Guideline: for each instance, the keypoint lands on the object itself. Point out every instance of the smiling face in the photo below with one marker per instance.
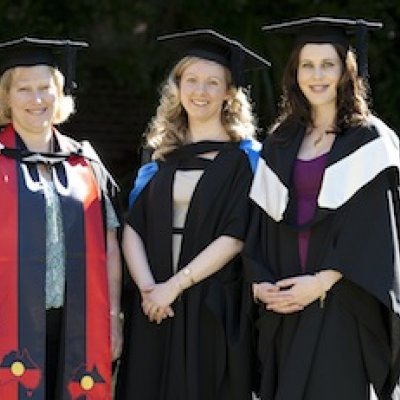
(203, 89)
(32, 99)
(318, 74)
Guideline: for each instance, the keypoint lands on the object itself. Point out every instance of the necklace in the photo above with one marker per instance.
(319, 138)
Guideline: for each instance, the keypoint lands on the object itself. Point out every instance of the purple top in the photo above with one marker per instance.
(307, 177)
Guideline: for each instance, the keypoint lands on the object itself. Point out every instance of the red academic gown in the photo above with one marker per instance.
(86, 369)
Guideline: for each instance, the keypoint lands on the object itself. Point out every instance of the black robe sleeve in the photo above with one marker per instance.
(254, 256)
(365, 249)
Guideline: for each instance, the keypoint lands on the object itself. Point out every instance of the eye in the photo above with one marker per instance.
(190, 79)
(328, 64)
(214, 82)
(306, 64)
(22, 89)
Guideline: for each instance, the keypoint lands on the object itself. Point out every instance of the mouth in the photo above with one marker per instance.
(318, 88)
(199, 103)
(39, 111)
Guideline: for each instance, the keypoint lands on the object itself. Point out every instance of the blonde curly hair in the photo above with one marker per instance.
(65, 105)
(168, 128)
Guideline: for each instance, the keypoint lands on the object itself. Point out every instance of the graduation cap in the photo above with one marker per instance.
(27, 51)
(331, 30)
(211, 45)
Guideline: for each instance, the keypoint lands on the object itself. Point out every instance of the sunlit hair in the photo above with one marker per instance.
(351, 102)
(64, 106)
(168, 128)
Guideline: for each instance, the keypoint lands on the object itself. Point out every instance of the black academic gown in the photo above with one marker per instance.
(204, 351)
(332, 352)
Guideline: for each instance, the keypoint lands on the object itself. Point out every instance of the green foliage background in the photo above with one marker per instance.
(123, 32)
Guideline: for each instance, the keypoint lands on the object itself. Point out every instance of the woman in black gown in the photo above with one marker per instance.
(187, 334)
(323, 246)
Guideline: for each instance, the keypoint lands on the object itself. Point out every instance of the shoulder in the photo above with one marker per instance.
(372, 128)
(251, 148)
(283, 134)
(373, 134)
(382, 130)
(67, 143)
(144, 176)
(250, 145)
(360, 155)
(104, 178)
(149, 169)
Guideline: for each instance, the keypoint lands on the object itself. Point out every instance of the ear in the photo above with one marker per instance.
(228, 95)
(6, 98)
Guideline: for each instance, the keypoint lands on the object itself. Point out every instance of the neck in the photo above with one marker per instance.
(40, 142)
(206, 131)
(324, 117)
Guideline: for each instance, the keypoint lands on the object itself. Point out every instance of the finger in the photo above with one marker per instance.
(279, 297)
(286, 282)
(160, 314)
(152, 317)
(145, 310)
(154, 310)
(266, 294)
(170, 312)
(146, 306)
(159, 318)
(282, 302)
(286, 309)
(268, 287)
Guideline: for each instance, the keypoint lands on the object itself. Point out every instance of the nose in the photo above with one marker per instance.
(37, 96)
(201, 87)
(318, 72)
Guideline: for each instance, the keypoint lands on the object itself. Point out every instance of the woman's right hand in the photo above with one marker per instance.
(294, 294)
(275, 299)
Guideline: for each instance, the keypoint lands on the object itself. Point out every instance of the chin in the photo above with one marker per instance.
(321, 102)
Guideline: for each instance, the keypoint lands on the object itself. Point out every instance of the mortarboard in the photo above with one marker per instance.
(28, 51)
(331, 30)
(211, 45)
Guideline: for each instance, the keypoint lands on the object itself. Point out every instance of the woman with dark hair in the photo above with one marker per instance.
(323, 245)
(187, 335)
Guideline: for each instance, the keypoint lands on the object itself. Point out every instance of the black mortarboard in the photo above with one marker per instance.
(28, 51)
(211, 45)
(331, 30)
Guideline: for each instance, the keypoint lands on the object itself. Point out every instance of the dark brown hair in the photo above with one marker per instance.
(351, 102)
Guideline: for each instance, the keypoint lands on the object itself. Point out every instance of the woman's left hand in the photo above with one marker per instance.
(294, 294)
(159, 298)
(116, 337)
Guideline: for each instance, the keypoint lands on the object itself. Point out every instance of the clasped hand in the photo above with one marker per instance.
(157, 299)
(289, 295)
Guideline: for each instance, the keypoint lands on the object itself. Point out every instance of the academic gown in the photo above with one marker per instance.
(204, 351)
(332, 352)
(85, 356)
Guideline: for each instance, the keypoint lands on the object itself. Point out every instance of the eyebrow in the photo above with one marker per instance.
(321, 59)
(210, 76)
